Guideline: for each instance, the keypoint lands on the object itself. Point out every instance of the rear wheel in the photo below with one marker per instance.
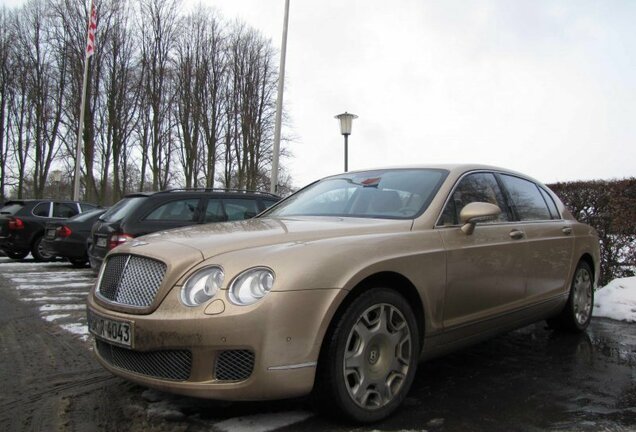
(370, 361)
(38, 251)
(17, 255)
(577, 313)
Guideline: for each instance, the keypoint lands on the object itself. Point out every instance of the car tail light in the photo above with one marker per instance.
(16, 223)
(117, 239)
(64, 231)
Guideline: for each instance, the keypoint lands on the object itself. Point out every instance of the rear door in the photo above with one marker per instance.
(549, 238)
(175, 212)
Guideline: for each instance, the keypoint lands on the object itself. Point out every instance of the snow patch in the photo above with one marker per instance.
(165, 410)
(55, 317)
(262, 422)
(617, 300)
(52, 299)
(76, 328)
(56, 307)
(83, 285)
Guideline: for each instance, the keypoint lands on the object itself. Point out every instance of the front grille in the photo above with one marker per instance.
(170, 364)
(131, 280)
(234, 365)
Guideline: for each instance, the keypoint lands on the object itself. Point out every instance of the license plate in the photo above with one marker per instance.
(50, 233)
(115, 331)
(101, 242)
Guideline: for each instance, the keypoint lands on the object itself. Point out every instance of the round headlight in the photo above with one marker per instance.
(251, 286)
(202, 286)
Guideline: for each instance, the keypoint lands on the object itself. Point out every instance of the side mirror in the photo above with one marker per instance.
(477, 212)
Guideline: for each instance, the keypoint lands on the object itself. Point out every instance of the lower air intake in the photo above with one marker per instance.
(234, 365)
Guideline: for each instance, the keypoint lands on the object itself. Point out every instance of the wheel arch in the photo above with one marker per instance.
(386, 279)
(587, 258)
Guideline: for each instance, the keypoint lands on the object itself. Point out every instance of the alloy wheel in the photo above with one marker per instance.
(377, 356)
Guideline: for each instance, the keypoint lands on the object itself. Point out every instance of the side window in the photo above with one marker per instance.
(178, 210)
(239, 209)
(268, 203)
(64, 210)
(526, 198)
(42, 209)
(477, 187)
(214, 211)
(554, 212)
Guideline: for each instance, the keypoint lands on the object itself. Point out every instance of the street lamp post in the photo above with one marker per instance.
(346, 120)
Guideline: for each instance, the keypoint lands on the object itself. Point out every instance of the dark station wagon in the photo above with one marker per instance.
(138, 214)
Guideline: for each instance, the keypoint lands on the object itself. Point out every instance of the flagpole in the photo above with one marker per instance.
(78, 147)
(279, 104)
(90, 48)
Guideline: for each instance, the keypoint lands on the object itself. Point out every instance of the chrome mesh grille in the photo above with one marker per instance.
(234, 365)
(170, 364)
(131, 280)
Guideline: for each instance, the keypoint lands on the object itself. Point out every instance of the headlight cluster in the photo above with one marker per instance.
(246, 289)
(202, 286)
(251, 286)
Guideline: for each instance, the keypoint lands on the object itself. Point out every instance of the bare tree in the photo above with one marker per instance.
(158, 35)
(213, 100)
(172, 99)
(121, 91)
(189, 85)
(252, 98)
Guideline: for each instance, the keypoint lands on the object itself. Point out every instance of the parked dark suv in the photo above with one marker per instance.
(144, 213)
(22, 224)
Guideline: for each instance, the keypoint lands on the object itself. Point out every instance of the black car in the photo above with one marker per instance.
(22, 224)
(69, 239)
(144, 213)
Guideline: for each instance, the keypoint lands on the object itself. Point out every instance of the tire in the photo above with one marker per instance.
(576, 315)
(360, 374)
(17, 255)
(39, 254)
(78, 262)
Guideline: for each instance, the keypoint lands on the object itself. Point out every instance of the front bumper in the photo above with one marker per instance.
(283, 333)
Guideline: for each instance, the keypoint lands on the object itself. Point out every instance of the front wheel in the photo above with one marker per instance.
(371, 357)
(577, 313)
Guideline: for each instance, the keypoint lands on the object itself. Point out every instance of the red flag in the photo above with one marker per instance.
(92, 26)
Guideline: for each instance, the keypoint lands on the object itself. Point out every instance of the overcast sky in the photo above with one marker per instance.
(547, 88)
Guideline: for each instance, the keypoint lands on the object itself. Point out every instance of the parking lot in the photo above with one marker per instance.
(528, 380)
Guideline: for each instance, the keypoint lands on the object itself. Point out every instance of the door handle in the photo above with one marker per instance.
(567, 230)
(516, 234)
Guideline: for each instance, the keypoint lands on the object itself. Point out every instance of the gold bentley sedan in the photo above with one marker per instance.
(341, 289)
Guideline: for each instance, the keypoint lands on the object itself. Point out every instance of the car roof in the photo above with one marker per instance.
(456, 169)
(203, 191)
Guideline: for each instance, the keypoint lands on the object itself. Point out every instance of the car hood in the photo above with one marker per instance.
(218, 238)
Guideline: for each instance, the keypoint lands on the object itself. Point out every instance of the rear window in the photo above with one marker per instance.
(83, 217)
(122, 209)
(11, 208)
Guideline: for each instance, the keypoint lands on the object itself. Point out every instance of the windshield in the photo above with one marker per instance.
(386, 194)
(122, 209)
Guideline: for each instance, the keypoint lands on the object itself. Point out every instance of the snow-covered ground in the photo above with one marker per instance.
(617, 300)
